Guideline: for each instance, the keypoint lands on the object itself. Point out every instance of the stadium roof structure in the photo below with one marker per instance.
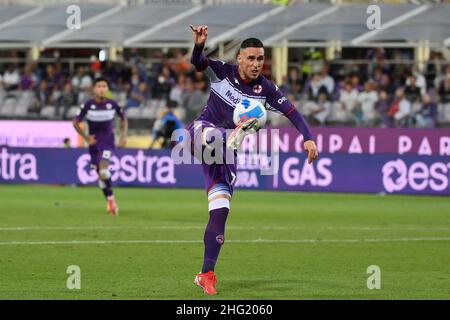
(167, 25)
(39, 23)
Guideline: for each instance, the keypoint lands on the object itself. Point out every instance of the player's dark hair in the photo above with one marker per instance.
(252, 43)
(101, 79)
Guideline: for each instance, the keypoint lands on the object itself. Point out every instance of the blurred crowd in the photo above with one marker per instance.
(384, 95)
(376, 94)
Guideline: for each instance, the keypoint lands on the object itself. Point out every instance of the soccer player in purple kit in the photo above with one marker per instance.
(99, 113)
(229, 85)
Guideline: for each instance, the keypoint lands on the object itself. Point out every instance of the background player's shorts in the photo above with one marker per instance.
(99, 152)
(216, 176)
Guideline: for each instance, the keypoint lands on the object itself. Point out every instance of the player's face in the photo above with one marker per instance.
(100, 89)
(251, 61)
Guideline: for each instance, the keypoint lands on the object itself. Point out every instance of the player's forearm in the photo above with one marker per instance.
(124, 127)
(198, 58)
(299, 122)
(80, 131)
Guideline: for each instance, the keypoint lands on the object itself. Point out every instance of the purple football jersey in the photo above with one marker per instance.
(228, 89)
(100, 119)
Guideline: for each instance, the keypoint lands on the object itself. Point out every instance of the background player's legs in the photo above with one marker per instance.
(219, 205)
(105, 182)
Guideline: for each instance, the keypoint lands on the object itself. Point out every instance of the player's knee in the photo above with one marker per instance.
(104, 174)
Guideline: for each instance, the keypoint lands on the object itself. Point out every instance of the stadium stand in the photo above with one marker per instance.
(357, 86)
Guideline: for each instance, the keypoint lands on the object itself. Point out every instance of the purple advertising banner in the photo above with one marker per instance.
(332, 172)
(429, 142)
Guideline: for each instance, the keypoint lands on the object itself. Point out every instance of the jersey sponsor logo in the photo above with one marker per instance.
(281, 100)
(232, 98)
(257, 88)
(230, 94)
(100, 115)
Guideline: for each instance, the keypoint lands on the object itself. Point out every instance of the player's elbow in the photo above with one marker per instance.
(194, 61)
(199, 65)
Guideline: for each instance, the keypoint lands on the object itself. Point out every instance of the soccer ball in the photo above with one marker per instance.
(250, 108)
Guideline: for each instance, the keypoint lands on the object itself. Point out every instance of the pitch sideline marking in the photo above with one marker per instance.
(77, 242)
(37, 228)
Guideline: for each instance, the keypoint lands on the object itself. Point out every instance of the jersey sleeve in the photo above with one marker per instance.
(278, 102)
(81, 113)
(215, 69)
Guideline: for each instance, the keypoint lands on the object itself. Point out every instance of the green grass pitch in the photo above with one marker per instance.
(279, 245)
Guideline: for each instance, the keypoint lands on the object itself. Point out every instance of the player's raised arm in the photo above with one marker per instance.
(198, 58)
(277, 100)
(200, 34)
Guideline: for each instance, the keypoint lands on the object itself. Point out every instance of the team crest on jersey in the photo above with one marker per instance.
(93, 106)
(236, 81)
(108, 106)
(257, 88)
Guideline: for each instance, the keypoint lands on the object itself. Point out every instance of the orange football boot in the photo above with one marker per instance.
(207, 281)
(112, 207)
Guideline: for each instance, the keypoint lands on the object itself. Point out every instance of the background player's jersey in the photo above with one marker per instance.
(100, 118)
(228, 89)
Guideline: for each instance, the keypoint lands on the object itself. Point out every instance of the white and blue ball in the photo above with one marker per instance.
(250, 108)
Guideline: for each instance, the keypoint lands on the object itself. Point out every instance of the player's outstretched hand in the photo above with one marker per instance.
(200, 34)
(311, 148)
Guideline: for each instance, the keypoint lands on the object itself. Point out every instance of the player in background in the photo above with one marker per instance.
(229, 85)
(99, 113)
